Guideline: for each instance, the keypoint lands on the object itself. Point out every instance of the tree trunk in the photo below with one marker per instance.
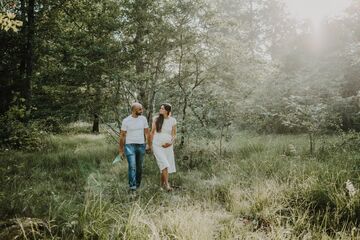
(151, 108)
(221, 138)
(27, 61)
(95, 128)
(143, 98)
(252, 30)
(312, 143)
(183, 126)
(5, 98)
(96, 109)
(23, 45)
(139, 57)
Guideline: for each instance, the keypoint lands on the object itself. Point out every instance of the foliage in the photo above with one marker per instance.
(17, 134)
(7, 22)
(78, 127)
(309, 118)
(99, 56)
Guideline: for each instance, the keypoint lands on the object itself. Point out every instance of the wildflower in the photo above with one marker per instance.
(292, 149)
(350, 187)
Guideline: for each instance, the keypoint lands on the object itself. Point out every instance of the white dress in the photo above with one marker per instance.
(164, 156)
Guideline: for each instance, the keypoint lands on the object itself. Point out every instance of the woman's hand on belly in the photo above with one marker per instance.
(166, 145)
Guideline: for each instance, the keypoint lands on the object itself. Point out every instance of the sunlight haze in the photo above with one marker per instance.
(316, 10)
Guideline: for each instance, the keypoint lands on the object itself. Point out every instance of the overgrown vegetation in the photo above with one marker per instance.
(256, 189)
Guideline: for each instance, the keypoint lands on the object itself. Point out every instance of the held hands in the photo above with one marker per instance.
(121, 153)
(148, 149)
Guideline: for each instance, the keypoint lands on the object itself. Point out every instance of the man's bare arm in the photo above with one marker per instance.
(122, 142)
(148, 137)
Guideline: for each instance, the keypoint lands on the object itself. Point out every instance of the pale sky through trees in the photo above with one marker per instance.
(316, 10)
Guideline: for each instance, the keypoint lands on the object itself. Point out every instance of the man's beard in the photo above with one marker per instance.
(138, 113)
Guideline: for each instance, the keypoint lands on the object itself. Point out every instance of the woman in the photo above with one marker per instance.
(163, 134)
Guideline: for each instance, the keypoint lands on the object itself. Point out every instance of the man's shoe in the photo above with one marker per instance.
(132, 193)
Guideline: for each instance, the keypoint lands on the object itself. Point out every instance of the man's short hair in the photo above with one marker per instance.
(134, 105)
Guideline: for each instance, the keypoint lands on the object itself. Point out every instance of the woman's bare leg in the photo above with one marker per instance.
(165, 179)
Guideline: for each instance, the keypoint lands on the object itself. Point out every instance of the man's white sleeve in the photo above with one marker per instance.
(123, 126)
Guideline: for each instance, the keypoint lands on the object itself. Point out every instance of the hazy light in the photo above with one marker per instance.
(316, 10)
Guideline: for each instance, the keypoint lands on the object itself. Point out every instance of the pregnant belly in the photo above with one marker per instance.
(160, 139)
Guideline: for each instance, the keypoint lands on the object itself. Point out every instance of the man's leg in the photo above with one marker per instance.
(139, 156)
(130, 156)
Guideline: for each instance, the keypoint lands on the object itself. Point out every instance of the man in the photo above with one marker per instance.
(133, 144)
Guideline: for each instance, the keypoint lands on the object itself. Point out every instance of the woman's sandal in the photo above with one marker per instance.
(168, 188)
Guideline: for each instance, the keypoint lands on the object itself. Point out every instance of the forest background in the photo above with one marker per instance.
(244, 77)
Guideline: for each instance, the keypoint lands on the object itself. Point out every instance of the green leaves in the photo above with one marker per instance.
(309, 117)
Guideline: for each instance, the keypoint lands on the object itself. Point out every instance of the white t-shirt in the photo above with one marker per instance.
(165, 135)
(134, 128)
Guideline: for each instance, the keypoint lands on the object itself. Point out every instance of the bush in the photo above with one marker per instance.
(78, 127)
(195, 157)
(17, 134)
(327, 205)
(349, 141)
(51, 125)
(346, 143)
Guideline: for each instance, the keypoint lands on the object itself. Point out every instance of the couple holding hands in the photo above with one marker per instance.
(160, 140)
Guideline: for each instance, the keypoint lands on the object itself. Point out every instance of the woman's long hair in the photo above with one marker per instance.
(160, 119)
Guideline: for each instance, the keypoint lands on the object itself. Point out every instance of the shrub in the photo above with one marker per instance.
(51, 125)
(17, 134)
(327, 206)
(78, 127)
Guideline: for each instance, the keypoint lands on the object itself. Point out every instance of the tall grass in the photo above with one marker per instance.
(260, 187)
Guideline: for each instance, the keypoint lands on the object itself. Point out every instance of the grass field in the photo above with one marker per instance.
(261, 187)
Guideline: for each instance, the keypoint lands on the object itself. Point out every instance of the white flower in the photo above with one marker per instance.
(292, 149)
(350, 187)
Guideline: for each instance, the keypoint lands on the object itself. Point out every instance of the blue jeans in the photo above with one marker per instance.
(135, 156)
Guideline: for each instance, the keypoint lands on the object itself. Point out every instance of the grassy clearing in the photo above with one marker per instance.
(260, 188)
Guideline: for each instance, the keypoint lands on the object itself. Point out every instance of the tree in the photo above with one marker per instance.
(303, 115)
(78, 52)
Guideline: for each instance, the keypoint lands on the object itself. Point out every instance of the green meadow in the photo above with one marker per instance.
(260, 187)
